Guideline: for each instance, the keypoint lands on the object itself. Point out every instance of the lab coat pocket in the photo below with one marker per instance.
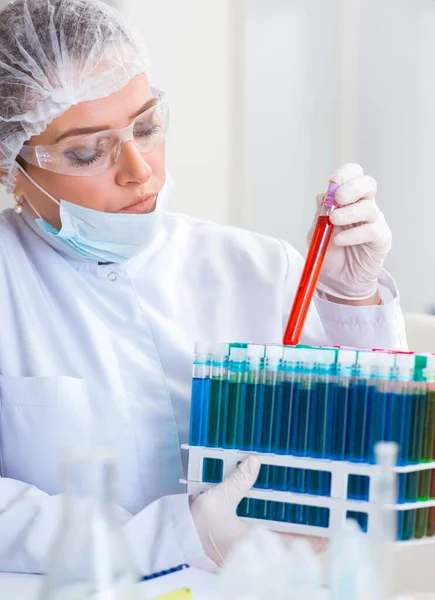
(39, 418)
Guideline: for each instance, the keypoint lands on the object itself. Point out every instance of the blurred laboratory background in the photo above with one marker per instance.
(267, 98)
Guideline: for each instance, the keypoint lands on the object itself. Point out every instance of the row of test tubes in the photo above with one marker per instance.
(317, 403)
(313, 402)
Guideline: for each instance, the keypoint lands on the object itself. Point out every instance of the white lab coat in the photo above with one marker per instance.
(102, 354)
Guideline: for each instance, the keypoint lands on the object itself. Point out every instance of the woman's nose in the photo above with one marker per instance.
(133, 167)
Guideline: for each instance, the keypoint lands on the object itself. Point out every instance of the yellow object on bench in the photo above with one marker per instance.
(181, 594)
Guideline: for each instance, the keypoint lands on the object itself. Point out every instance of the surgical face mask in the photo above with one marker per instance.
(100, 236)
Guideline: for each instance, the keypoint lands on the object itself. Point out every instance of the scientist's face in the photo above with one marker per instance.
(129, 185)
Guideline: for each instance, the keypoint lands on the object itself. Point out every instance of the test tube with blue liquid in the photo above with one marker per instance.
(321, 426)
(291, 387)
(218, 395)
(306, 402)
(406, 416)
(357, 413)
(288, 426)
(322, 404)
(252, 421)
(304, 373)
(346, 369)
(379, 406)
(357, 418)
(272, 406)
(272, 379)
(254, 398)
(199, 407)
(402, 407)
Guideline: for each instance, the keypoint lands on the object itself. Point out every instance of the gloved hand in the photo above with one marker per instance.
(214, 511)
(360, 241)
(215, 518)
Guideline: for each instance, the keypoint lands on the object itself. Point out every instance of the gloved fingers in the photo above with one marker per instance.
(365, 211)
(235, 487)
(356, 189)
(378, 234)
(346, 172)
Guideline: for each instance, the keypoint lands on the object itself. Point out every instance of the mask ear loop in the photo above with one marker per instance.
(40, 188)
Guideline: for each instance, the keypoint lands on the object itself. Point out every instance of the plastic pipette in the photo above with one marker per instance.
(313, 264)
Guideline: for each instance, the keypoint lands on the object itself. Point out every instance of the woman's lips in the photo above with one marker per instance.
(143, 205)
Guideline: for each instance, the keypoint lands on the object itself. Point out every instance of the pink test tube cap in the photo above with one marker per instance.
(329, 199)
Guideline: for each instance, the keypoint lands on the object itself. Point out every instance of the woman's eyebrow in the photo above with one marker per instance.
(84, 130)
(148, 104)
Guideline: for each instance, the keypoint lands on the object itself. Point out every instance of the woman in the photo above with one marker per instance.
(103, 294)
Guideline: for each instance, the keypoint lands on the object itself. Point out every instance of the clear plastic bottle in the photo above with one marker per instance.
(89, 558)
(351, 573)
(383, 531)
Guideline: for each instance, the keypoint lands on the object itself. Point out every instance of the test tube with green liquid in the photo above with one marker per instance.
(424, 483)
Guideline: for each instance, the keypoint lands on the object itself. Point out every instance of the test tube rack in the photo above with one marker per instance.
(330, 510)
(312, 492)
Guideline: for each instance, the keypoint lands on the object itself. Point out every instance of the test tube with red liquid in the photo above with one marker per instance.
(313, 264)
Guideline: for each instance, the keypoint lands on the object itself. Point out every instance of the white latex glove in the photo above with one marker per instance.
(215, 518)
(214, 511)
(360, 241)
